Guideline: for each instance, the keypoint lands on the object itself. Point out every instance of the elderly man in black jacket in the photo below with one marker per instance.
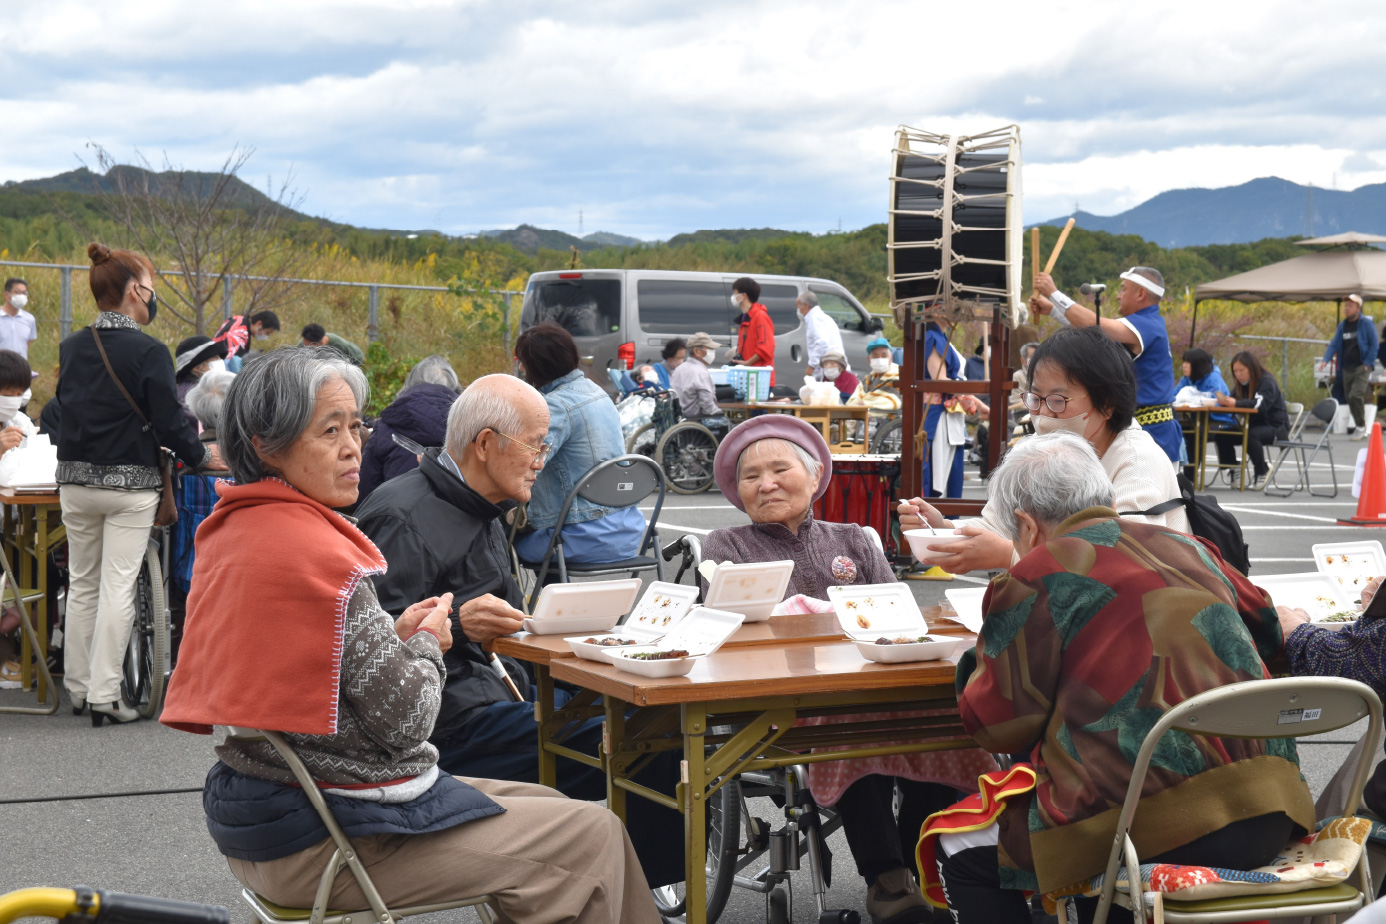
(439, 528)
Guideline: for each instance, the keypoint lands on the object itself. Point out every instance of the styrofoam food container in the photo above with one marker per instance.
(585, 649)
(751, 589)
(700, 633)
(662, 607)
(920, 651)
(1316, 593)
(1350, 564)
(967, 603)
(593, 606)
(922, 541)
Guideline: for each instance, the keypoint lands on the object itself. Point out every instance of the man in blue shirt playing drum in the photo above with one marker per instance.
(1141, 329)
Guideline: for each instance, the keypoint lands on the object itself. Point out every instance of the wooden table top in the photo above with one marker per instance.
(797, 667)
(9, 498)
(544, 649)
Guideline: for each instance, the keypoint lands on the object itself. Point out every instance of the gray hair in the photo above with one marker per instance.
(483, 407)
(274, 398)
(1027, 348)
(1153, 275)
(206, 398)
(808, 298)
(435, 370)
(1050, 477)
(811, 464)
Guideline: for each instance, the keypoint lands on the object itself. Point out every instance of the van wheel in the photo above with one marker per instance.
(643, 441)
(686, 453)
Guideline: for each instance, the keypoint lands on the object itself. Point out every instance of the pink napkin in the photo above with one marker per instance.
(801, 603)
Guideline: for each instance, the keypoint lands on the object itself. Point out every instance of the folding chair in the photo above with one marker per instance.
(1253, 709)
(620, 482)
(10, 587)
(1323, 412)
(345, 855)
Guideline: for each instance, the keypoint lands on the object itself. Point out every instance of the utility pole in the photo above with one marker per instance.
(579, 222)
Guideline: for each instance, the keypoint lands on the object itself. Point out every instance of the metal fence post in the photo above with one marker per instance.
(65, 305)
(1285, 362)
(507, 325)
(226, 299)
(373, 316)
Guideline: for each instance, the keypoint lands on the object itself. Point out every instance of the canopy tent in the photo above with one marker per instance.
(1347, 237)
(1327, 276)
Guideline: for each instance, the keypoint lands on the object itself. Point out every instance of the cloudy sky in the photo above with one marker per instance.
(653, 117)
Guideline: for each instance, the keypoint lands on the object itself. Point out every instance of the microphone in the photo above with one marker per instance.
(1092, 288)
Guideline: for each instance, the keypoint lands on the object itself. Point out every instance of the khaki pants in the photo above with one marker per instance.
(547, 858)
(107, 532)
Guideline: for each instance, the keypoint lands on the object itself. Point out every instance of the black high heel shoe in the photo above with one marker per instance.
(116, 713)
(79, 706)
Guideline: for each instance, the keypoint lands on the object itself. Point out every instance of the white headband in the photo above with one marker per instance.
(1138, 279)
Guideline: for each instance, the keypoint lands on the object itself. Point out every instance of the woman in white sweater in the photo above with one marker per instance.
(1081, 381)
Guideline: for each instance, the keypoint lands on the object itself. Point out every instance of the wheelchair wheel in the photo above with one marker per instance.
(686, 453)
(887, 439)
(146, 657)
(643, 441)
(723, 838)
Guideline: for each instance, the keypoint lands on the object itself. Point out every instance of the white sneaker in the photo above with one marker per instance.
(1358, 436)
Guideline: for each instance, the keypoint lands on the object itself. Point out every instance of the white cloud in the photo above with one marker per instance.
(659, 116)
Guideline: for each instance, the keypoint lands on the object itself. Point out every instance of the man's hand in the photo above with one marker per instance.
(984, 551)
(1044, 285)
(915, 513)
(488, 617)
(10, 438)
(1291, 618)
(429, 615)
(1040, 305)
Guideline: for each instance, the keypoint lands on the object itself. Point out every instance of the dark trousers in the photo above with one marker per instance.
(502, 743)
(1227, 453)
(878, 842)
(1258, 438)
(972, 883)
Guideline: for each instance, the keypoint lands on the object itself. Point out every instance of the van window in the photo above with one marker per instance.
(779, 302)
(582, 307)
(683, 306)
(839, 309)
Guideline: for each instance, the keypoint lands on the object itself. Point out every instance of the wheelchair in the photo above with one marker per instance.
(747, 851)
(83, 905)
(683, 448)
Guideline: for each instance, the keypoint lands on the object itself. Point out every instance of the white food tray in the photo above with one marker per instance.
(593, 606)
(661, 608)
(1351, 565)
(867, 612)
(1316, 593)
(968, 605)
(752, 589)
(700, 633)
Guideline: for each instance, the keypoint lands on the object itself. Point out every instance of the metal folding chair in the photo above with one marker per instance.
(620, 482)
(1305, 452)
(345, 855)
(1253, 709)
(9, 587)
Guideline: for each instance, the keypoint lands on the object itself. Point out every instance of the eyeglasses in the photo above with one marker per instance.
(542, 453)
(1057, 404)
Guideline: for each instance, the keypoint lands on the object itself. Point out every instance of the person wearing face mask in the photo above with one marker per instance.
(1082, 382)
(879, 389)
(1141, 330)
(691, 381)
(17, 427)
(755, 333)
(18, 328)
(195, 357)
(834, 368)
(109, 469)
(1101, 626)
(239, 332)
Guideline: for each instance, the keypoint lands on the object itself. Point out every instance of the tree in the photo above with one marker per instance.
(207, 233)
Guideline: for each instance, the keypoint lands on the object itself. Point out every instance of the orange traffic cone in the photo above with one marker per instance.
(1371, 506)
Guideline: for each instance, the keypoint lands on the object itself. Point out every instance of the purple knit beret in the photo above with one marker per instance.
(768, 427)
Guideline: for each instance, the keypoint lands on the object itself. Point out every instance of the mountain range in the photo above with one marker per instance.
(528, 239)
(1262, 208)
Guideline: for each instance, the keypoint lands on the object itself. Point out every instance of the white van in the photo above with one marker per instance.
(623, 318)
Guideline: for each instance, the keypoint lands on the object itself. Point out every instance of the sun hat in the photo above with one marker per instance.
(1356, 298)
(833, 356)
(196, 350)
(877, 343)
(768, 427)
(701, 341)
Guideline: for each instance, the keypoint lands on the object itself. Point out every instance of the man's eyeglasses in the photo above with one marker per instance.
(1057, 404)
(542, 453)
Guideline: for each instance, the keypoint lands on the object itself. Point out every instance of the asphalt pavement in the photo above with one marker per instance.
(119, 807)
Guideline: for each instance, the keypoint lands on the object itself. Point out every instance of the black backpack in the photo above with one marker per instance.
(1207, 520)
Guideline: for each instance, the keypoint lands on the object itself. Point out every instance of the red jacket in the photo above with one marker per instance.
(756, 337)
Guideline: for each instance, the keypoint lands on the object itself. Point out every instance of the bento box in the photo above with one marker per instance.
(593, 606)
(662, 607)
(698, 635)
(1320, 595)
(885, 623)
(752, 589)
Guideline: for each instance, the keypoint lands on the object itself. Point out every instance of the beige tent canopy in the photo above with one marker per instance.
(1347, 237)
(1327, 276)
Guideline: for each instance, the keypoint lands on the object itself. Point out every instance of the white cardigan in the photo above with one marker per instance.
(1141, 473)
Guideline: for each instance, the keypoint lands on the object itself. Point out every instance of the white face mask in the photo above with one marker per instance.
(880, 366)
(261, 336)
(736, 301)
(9, 407)
(19, 300)
(1075, 425)
(24, 398)
(831, 372)
(215, 365)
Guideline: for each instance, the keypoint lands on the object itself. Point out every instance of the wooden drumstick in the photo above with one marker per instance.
(1059, 245)
(1034, 254)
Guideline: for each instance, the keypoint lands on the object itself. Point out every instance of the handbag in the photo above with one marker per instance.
(167, 514)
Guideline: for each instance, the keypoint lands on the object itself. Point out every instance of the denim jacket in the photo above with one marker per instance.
(584, 429)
